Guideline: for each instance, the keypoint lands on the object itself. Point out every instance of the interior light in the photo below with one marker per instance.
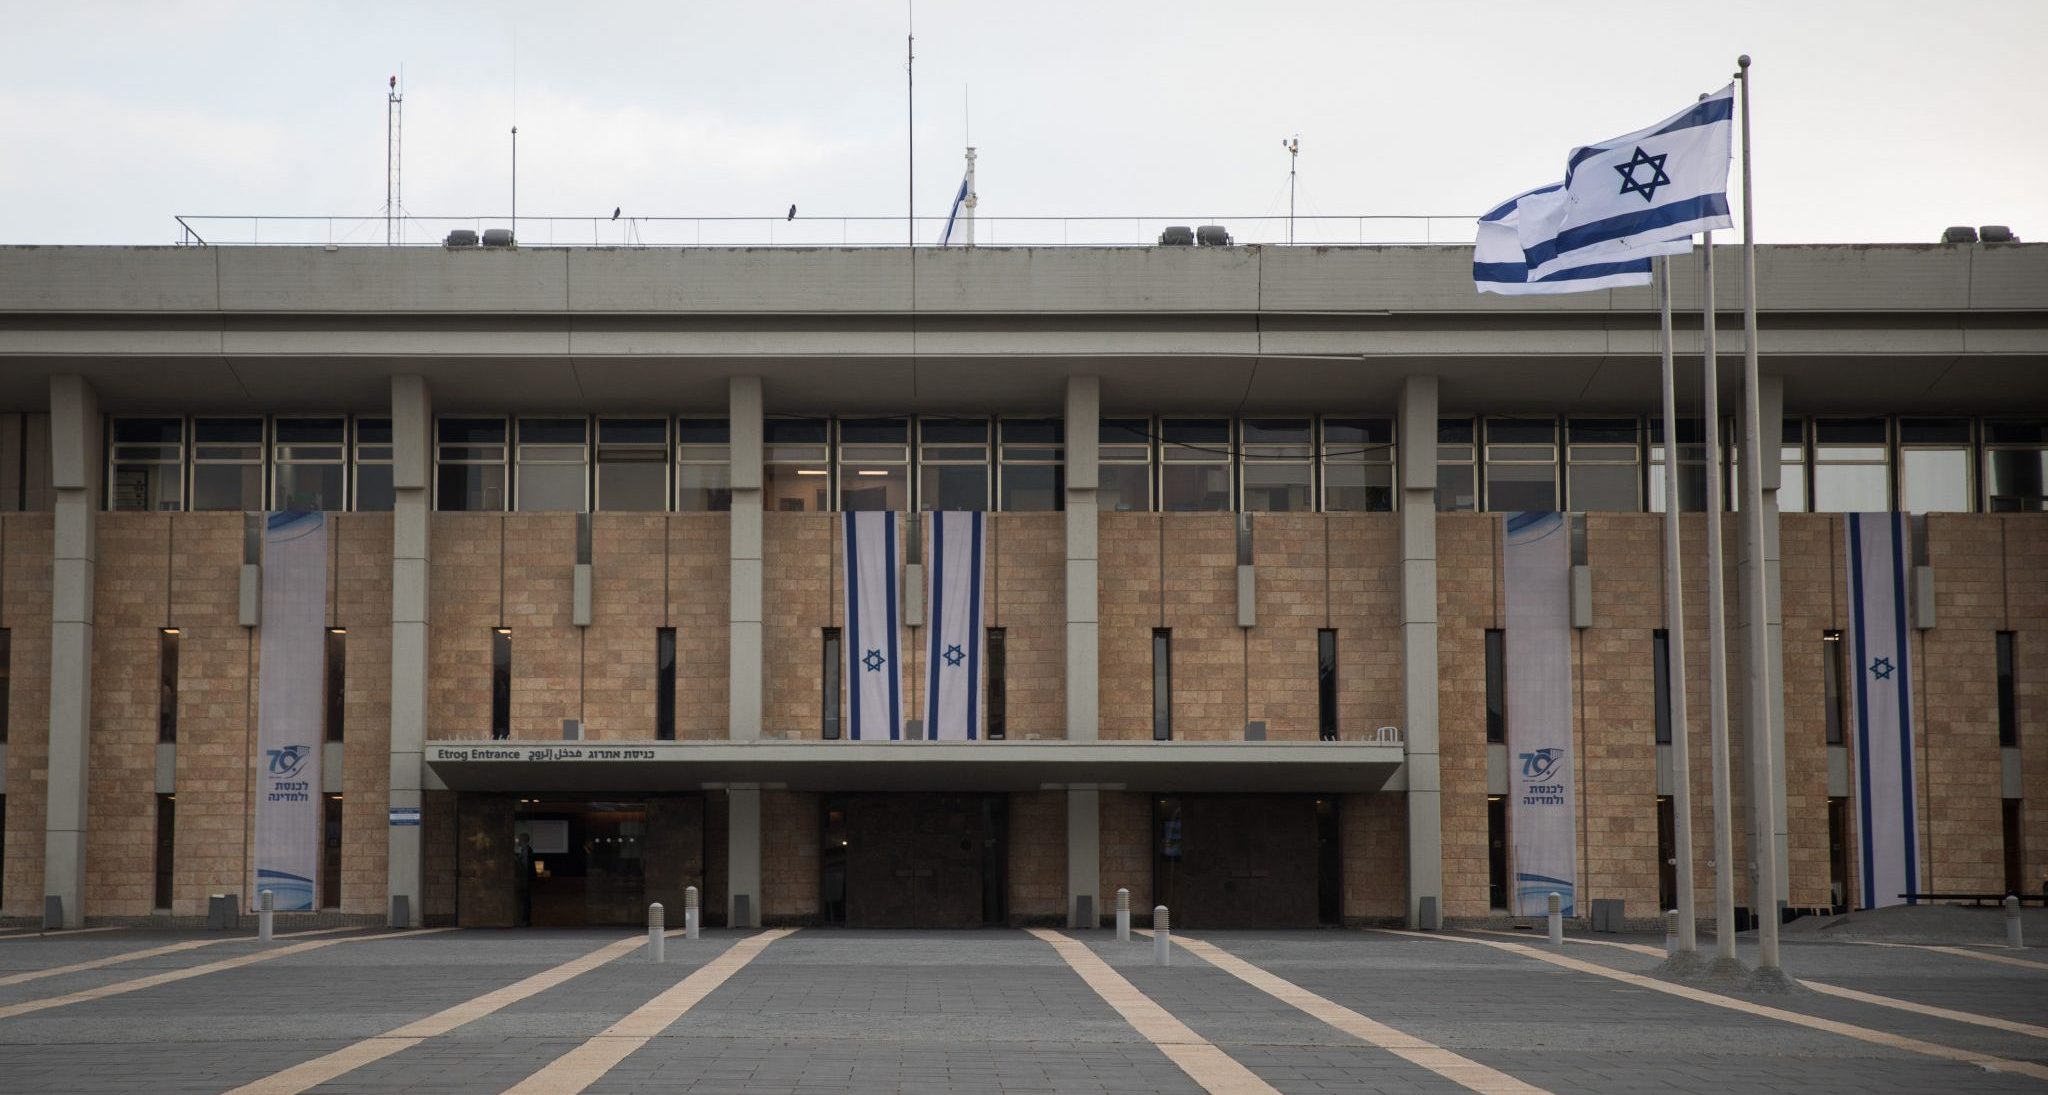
(810, 471)
(170, 631)
(872, 471)
(337, 631)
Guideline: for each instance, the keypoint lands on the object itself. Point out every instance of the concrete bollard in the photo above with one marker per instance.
(1162, 938)
(266, 907)
(1123, 915)
(2013, 937)
(692, 912)
(655, 938)
(1556, 904)
(1670, 931)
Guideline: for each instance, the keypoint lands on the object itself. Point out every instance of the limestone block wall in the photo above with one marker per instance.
(466, 599)
(1617, 728)
(25, 540)
(1956, 707)
(217, 666)
(1126, 851)
(1373, 832)
(1468, 603)
(1814, 591)
(131, 604)
(2025, 578)
(1026, 591)
(1038, 857)
(789, 857)
(360, 571)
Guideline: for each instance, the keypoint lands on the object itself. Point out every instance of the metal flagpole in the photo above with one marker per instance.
(1765, 842)
(1717, 623)
(1674, 623)
(910, 114)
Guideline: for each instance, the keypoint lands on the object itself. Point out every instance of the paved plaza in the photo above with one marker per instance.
(821, 1010)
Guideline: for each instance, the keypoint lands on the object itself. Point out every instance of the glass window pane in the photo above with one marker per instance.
(1126, 431)
(145, 487)
(472, 431)
(227, 486)
(715, 431)
(1372, 434)
(1125, 488)
(551, 487)
(2016, 431)
(1029, 488)
(1520, 431)
(632, 485)
(1454, 431)
(1604, 488)
(1276, 488)
(1207, 432)
(1849, 431)
(1850, 488)
(632, 431)
(1935, 480)
(1511, 487)
(308, 488)
(1934, 431)
(2018, 480)
(248, 431)
(708, 488)
(955, 486)
(1034, 431)
(374, 493)
(373, 431)
(954, 431)
(1276, 431)
(1455, 488)
(790, 489)
(1356, 487)
(874, 488)
(469, 488)
(309, 431)
(167, 431)
(874, 431)
(1601, 431)
(1692, 485)
(1195, 487)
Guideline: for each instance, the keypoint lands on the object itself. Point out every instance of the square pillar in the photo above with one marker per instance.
(1083, 432)
(412, 424)
(1084, 856)
(1416, 430)
(75, 450)
(743, 677)
(743, 857)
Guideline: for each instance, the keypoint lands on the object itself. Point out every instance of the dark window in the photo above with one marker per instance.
(1496, 685)
(1667, 853)
(1660, 669)
(227, 463)
(828, 702)
(665, 683)
(166, 843)
(998, 703)
(2015, 846)
(1162, 684)
(6, 679)
(167, 685)
(1831, 672)
(1497, 851)
(501, 682)
(337, 682)
(2008, 696)
(1326, 683)
(374, 491)
(471, 464)
(330, 853)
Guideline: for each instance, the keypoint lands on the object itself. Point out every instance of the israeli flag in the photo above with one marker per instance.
(1498, 265)
(953, 642)
(953, 218)
(1655, 185)
(874, 683)
(1886, 825)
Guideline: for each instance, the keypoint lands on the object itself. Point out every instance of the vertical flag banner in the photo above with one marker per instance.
(953, 639)
(1883, 728)
(289, 708)
(1536, 577)
(874, 651)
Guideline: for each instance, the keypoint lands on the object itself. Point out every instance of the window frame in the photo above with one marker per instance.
(919, 461)
(1488, 461)
(1474, 446)
(1004, 461)
(1122, 457)
(275, 450)
(194, 462)
(517, 452)
(503, 463)
(1364, 458)
(697, 454)
(1227, 460)
(823, 465)
(358, 459)
(1635, 462)
(1816, 449)
(1245, 458)
(177, 463)
(598, 463)
(1988, 502)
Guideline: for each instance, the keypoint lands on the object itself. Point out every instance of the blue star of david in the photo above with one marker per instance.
(953, 655)
(874, 661)
(1881, 668)
(1629, 183)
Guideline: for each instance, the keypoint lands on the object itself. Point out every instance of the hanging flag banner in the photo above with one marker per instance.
(289, 708)
(1536, 576)
(874, 683)
(1883, 727)
(953, 639)
(953, 215)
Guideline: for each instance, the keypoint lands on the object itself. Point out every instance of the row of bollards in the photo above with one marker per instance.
(657, 925)
(2013, 937)
(1556, 910)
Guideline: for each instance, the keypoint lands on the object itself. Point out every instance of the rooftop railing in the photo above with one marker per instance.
(809, 231)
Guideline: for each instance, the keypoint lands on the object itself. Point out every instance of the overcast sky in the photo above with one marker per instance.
(1876, 120)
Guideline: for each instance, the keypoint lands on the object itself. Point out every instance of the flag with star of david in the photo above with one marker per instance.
(953, 641)
(1663, 183)
(1498, 265)
(874, 652)
(1881, 716)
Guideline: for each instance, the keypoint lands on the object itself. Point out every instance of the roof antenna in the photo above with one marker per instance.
(394, 128)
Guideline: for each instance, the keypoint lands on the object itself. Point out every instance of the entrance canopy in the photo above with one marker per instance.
(617, 766)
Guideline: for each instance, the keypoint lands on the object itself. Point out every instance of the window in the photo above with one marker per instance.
(1125, 455)
(167, 685)
(632, 464)
(874, 464)
(1832, 680)
(1792, 466)
(2013, 825)
(1279, 466)
(1660, 673)
(147, 465)
(998, 702)
(704, 465)
(330, 852)
(1162, 684)
(1692, 466)
(1934, 465)
(828, 700)
(1457, 466)
(1497, 851)
(1194, 464)
(665, 683)
(227, 464)
(1602, 472)
(796, 473)
(6, 680)
(1850, 470)
(1033, 466)
(312, 466)
(554, 465)
(166, 847)
(336, 683)
(952, 462)
(1326, 684)
(501, 682)
(2016, 465)
(471, 471)
(1358, 464)
(1667, 853)
(1521, 464)
(374, 492)
(2008, 693)
(1496, 685)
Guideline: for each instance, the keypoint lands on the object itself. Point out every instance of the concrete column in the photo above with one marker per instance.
(1084, 855)
(412, 475)
(743, 856)
(1417, 470)
(75, 451)
(1771, 401)
(743, 678)
(1083, 432)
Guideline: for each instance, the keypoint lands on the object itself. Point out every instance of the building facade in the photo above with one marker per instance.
(1245, 622)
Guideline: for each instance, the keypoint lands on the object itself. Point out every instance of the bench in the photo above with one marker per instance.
(1979, 899)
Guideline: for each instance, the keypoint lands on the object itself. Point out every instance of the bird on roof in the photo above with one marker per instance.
(792, 211)
(615, 212)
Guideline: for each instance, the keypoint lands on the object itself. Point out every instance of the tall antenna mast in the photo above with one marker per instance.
(910, 85)
(1293, 146)
(394, 129)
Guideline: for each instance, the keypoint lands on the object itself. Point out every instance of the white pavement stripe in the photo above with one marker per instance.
(1960, 952)
(148, 952)
(31, 933)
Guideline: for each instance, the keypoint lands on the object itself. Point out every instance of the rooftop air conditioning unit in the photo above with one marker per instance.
(497, 237)
(1961, 233)
(1179, 235)
(1212, 235)
(1997, 233)
(461, 237)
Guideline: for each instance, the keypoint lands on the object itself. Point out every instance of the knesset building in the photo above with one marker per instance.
(559, 536)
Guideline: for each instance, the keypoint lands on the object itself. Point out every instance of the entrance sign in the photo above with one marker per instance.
(289, 708)
(1537, 569)
(1883, 728)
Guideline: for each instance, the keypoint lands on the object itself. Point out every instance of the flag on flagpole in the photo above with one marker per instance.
(1655, 185)
(953, 217)
(1498, 265)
